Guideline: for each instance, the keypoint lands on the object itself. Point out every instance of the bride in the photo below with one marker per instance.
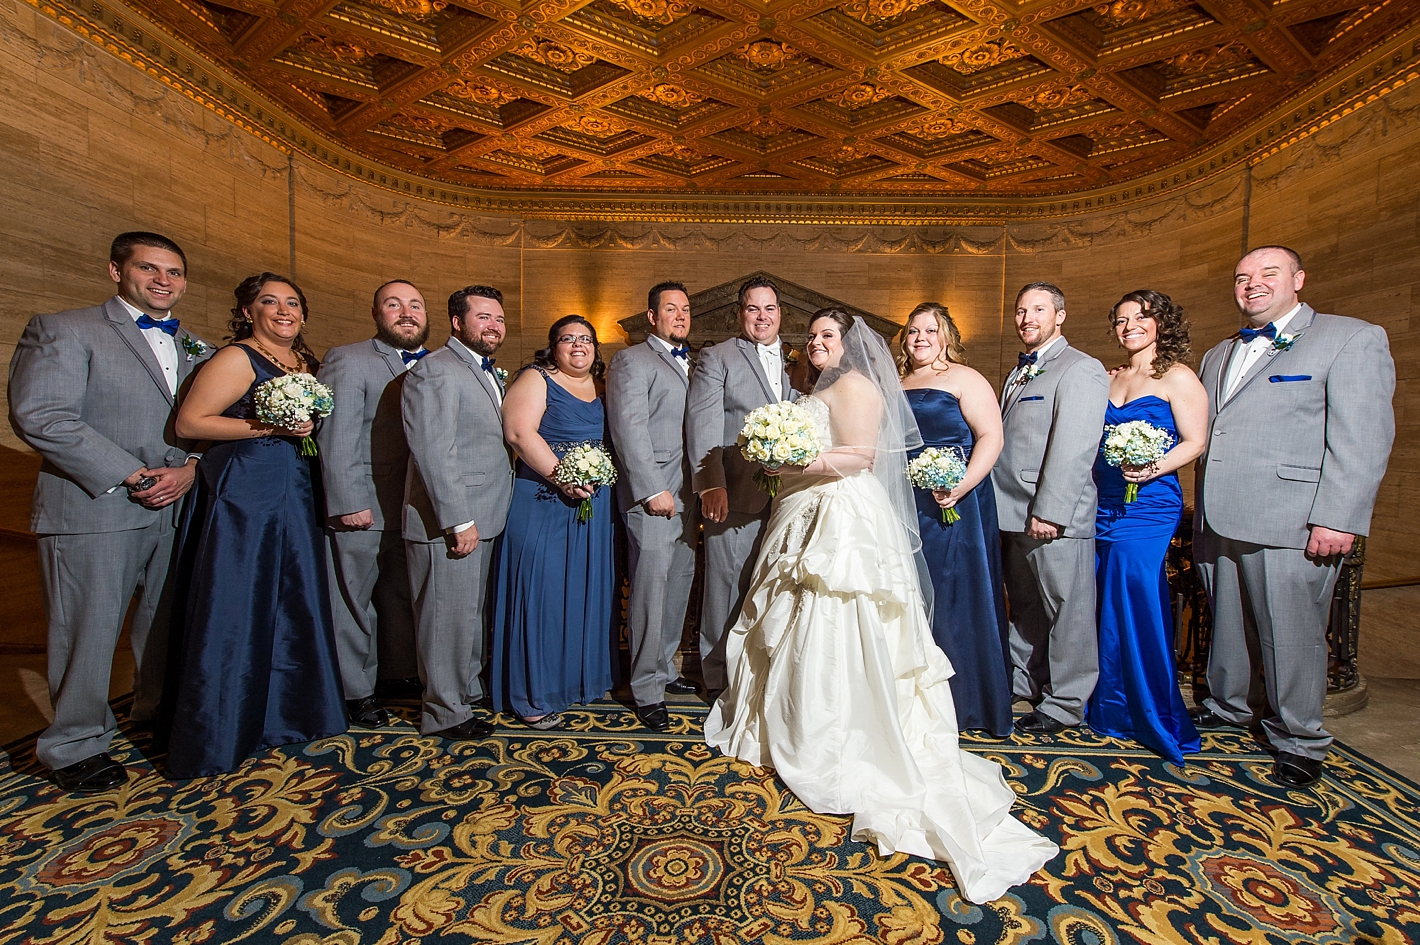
(835, 680)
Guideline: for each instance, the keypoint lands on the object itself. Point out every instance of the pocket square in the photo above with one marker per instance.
(1284, 378)
(1024, 399)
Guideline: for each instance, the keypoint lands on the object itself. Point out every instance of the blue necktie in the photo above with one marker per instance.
(1267, 331)
(411, 356)
(488, 364)
(682, 353)
(169, 325)
(1023, 359)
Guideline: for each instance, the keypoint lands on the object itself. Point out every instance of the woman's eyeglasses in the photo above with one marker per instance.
(583, 340)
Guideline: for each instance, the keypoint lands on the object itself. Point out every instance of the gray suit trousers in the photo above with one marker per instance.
(731, 549)
(1270, 611)
(88, 581)
(450, 630)
(374, 617)
(1054, 641)
(661, 559)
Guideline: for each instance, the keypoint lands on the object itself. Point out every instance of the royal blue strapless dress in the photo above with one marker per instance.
(552, 622)
(964, 560)
(252, 629)
(1137, 695)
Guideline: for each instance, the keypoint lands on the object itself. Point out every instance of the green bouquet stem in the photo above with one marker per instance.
(308, 446)
(951, 516)
(1131, 492)
(584, 511)
(768, 483)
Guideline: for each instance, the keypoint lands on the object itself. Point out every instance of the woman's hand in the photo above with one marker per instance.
(947, 499)
(1139, 474)
(299, 430)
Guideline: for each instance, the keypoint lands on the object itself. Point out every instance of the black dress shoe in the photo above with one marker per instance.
(367, 712)
(468, 730)
(1296, 771)
(681, 687)
(1038, 723)
(655, 717)
(1205, 718)
(95, 773)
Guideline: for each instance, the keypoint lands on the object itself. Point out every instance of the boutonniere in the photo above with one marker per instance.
(1032, 372)
(790, 359)
(193, 347)
(501, 374)
(1283, 342)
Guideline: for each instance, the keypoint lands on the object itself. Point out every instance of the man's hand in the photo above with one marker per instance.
(359, 521)
(1324, 542)
(662, 504)
(173, 483)
(715, 504)
(1042, 531)
(461, 544)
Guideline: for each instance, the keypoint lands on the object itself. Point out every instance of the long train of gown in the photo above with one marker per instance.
(836, 682)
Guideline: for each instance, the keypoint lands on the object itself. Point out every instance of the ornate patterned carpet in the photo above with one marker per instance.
(607, 833)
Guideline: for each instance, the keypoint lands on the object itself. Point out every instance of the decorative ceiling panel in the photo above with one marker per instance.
(1011, 100)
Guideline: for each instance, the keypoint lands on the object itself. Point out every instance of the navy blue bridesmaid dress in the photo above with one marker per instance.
(552, 622)
(1137, 696)
(964, 560)
(255, 644)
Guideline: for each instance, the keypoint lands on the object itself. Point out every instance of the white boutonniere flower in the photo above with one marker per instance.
(193, 347)
(501, 374)
(1283, 342)
(1032, 372)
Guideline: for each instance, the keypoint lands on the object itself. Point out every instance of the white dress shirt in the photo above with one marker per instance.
(771, 356)
(666, 346)
(1245, 356)
(163, 344)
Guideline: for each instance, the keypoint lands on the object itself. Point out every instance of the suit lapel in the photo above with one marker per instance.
(748, 349)
(132, 336)
(479, 374)
(391, 357)
(669, 359)
(1015, 395)
(1300, 322)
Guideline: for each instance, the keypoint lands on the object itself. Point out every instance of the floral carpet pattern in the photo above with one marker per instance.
(606, 833)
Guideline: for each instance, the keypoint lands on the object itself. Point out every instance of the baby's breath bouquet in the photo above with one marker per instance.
(585, 465)
(292, 400)
(939, 468)
(1135, 443)
(778, 434)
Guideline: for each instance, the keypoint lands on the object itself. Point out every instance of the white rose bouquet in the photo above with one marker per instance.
(1135, 443)
(291, 401)
(778, 434)
(585, 465)
(941, 468)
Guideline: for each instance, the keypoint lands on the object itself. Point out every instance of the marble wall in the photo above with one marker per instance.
(93, 146)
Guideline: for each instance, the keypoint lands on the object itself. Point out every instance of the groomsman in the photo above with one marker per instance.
(729, 381)
(93, 391)
(363, 463)
(646, 388)
(457, 493)
(1300, 427)
(1052, 406)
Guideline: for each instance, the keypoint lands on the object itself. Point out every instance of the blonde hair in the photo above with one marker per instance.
(952, 349)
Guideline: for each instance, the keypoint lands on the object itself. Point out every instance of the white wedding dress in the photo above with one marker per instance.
(835, 682)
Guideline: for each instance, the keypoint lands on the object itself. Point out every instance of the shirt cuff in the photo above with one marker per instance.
(459, 528)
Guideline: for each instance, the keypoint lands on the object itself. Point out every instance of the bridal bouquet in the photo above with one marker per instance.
(1135, 443)
(939, 468)
(292, 400)
(585, 465)
(779, 434)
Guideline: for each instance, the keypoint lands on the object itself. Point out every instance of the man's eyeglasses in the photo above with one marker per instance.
(583, 340)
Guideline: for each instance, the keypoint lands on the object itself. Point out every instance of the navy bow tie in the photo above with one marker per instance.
(1024, 359)
(488, 364)
(683, 353)
(411, 356)
(169, 325)
(1267, 331)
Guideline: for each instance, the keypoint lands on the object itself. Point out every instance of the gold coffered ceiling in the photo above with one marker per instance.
(872, 98)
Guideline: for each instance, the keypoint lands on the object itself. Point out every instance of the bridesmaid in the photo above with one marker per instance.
(956, 406)
(256, 665)
(1137, 695)
(552, 625)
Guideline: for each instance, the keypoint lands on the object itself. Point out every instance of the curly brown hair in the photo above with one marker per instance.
(1172, 345)
(246, 295)
(953, 352)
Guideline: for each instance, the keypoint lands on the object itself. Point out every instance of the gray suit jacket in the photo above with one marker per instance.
(1304, 439)
(458, 463)
(645, 406)
(87, 392)
(728, 381)
(364, 457)
(1053, 425)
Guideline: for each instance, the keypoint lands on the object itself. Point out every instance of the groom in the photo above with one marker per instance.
(729, 381)
(1052, 408)
(1300, 426)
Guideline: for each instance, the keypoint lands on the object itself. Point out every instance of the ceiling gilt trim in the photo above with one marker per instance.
(841, 157)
